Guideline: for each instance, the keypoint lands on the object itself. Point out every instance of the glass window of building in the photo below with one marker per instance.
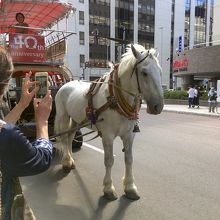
(81, 17)
(124, 25)
(187, 23)
(146, 14)
(99, 32)
(81, 38)
(82, 60)
(200, 22)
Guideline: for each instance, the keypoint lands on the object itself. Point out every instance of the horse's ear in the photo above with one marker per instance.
(156, 54)
(136, 54)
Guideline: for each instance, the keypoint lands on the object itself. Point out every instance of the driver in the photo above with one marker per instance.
(20, 19)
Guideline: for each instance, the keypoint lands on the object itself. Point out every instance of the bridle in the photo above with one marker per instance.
(135, 70)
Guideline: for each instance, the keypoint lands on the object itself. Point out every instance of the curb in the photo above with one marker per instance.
(215, 115)
(192, 113)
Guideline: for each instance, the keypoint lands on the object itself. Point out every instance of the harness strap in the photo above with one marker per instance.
(135, 69)
(115, 100)
(90, 112)
(131, 111)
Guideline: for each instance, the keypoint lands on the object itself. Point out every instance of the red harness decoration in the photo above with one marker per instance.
(115, 100)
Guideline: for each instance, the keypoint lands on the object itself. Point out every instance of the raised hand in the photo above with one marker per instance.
(27, 92)
(42, 112)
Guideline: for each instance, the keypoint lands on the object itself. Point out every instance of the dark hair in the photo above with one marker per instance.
(19, 13)
(6, 69)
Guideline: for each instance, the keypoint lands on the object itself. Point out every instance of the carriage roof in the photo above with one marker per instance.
(39, 14)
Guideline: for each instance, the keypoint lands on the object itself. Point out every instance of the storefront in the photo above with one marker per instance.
(198, 65)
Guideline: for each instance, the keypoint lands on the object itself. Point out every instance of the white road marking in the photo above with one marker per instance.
(94, 148)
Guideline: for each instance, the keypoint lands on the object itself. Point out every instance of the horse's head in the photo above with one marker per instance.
(148, 76)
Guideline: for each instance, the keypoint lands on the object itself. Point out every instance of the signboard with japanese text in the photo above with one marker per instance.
(180, 44)
(25, 48)
(180, 65)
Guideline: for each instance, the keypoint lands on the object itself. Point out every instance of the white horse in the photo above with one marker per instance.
(115, 99)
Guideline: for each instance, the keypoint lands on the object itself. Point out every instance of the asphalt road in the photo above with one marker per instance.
(176, 168)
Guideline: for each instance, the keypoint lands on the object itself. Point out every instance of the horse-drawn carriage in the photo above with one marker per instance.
(37, 49)
(110, 105)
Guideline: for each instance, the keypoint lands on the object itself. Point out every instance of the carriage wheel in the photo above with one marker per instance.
(77, 143)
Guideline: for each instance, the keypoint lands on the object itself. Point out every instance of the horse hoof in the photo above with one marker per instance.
(67, 169)
(110, 196)
(132, 195)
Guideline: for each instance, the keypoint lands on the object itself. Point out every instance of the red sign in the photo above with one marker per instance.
(25, 48)
(180, 65)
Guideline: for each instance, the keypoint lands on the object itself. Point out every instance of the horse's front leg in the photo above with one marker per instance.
(109, 189)
(130, 188)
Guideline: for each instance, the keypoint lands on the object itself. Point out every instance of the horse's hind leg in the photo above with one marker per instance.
(63, 123)
(130, 188)
(109, 189)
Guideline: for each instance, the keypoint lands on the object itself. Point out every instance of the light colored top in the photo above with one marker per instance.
(191, 93)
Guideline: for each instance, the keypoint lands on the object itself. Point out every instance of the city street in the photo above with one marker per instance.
(176, 169)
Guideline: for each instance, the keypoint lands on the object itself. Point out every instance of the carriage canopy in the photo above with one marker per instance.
(38, 13)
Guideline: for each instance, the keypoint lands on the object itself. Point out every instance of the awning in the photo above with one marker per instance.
(38, 13)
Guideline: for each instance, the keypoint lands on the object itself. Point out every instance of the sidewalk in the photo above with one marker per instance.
(183, 109)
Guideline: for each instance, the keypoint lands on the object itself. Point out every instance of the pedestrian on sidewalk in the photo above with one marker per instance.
(212, 94)
(196, 97)
(191, 95)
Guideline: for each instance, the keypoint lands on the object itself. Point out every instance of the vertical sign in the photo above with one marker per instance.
(180, 44)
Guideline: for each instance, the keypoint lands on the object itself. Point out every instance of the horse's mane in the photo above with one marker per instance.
(129, 60)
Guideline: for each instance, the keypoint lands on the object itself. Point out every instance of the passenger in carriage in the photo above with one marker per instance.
(20, 19)
(18, 156)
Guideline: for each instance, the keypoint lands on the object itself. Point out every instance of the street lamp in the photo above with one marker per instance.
(95, 33)
(84, 66)
(161, 46)
(107, 45)
(123, 37)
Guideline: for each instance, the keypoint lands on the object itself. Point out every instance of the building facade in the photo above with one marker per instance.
(194, 63)
(216, 23)
(104, 27)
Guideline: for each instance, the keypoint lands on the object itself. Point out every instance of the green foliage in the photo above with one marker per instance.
(177, 94)
(204, 95)
(182, 95)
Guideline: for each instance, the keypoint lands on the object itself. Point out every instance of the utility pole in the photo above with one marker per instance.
(95, 33)
(161, 46)
(123, 37)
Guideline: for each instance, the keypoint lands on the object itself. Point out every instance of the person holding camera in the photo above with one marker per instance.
(18, 156)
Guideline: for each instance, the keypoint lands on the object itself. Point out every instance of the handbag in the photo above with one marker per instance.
(20, 210)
